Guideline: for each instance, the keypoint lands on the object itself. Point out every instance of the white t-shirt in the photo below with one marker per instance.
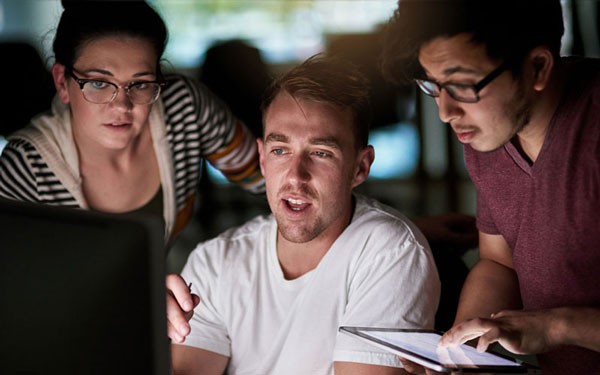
(379, 273)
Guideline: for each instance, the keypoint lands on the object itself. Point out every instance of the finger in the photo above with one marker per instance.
(506, 314)
(451, 338)
(195, 300)
(411, 367)
(177, 287)
(490, 337)
(464, 332)
(461, 339)
(177, 317)
(174, 334)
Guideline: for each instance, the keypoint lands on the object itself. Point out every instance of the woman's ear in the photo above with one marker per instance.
(541, 62)
(60, 82)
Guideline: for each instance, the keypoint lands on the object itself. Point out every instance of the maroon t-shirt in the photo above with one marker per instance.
(549, 212)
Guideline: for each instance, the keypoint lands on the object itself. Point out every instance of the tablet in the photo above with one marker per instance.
(421, 346)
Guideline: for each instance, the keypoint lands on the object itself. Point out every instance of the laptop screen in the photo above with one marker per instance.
(81, 292)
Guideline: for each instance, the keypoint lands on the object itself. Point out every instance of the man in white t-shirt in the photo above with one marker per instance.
(275, 290)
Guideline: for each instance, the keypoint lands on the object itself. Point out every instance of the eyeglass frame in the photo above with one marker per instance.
(475, 87)
(82, 81)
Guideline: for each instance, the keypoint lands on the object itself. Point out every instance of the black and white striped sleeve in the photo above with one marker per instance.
(17, 177)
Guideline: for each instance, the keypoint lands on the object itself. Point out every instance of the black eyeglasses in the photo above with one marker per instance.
(102, 92)
(460, 92)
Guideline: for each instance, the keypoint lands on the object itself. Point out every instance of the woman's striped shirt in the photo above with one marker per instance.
(198, 125)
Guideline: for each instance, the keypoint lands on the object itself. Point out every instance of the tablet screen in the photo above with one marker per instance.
(421, 346)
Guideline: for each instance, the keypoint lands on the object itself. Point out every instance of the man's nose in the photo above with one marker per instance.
(449, 109)
(299, 168)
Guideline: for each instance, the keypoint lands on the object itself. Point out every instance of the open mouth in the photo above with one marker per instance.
(465, 137)
(296, 204)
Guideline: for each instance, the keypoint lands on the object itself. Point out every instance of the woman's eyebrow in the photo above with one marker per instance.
(109, 74)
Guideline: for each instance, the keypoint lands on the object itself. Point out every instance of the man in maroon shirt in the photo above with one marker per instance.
(530, 124)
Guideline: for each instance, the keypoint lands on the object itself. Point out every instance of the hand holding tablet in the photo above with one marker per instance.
(421, 347)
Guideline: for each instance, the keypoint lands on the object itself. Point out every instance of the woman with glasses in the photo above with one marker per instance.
(122, 137)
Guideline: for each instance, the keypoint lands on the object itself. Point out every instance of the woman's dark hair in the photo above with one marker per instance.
(509, 29)
(330, 80)
(83, 21)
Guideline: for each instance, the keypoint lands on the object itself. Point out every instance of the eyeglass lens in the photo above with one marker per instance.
(465, 93)
(104, 92)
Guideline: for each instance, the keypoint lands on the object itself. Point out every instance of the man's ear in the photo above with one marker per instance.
(363, 167)
(539, 67)
(60, 82)
(260, 145)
